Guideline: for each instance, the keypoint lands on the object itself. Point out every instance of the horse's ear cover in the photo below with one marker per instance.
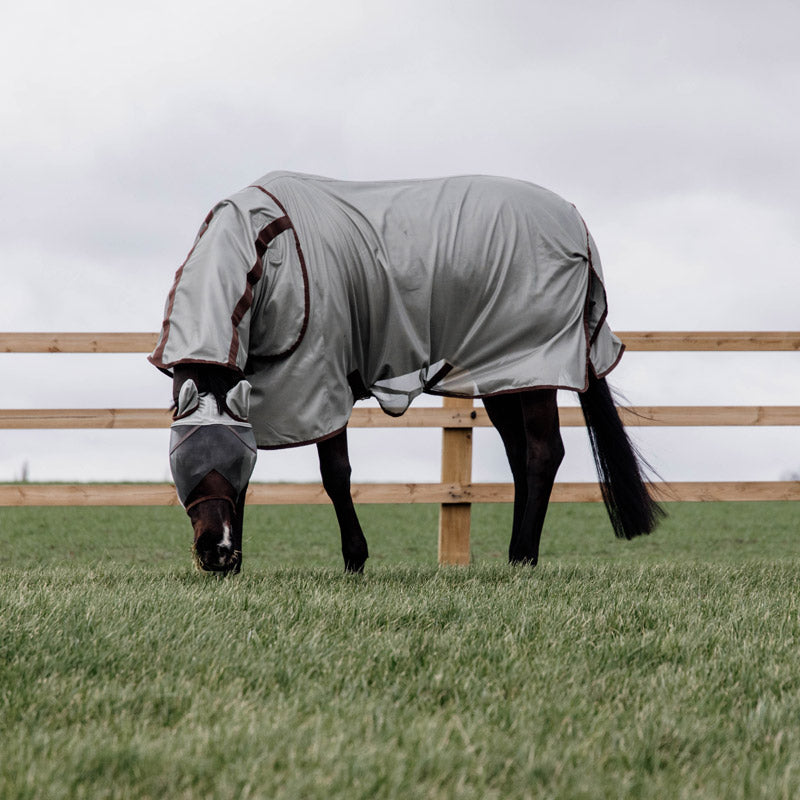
(188, 399)
(238, 400)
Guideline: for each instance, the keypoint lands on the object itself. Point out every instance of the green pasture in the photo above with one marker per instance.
(663, 667)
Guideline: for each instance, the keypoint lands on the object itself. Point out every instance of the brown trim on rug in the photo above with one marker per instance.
(265, 236)
(616, 361)
(302, 444)
(444, 370)
(270, 232)
(157, 356)
(303, 269)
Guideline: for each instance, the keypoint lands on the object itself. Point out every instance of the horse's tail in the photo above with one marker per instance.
(619, 466)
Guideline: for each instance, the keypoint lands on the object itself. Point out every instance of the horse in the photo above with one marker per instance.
(302, 295)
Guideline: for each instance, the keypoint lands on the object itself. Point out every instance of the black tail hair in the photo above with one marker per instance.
(631, 509)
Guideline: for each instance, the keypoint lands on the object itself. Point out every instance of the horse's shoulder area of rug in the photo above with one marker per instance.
(278, 178)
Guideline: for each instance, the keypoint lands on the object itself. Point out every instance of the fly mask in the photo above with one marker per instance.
(203, 439)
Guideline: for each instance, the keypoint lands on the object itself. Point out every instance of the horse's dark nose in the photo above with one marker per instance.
(224, 554)
(216, 553)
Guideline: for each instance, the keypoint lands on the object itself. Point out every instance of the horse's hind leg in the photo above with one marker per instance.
(528, 425)
(334, 466)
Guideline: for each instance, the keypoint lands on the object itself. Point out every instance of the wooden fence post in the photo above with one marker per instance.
(454, 518)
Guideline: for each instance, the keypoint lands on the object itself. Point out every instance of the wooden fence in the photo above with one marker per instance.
(456, 492)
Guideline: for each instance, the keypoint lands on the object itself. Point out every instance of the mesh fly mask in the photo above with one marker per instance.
(202, 440)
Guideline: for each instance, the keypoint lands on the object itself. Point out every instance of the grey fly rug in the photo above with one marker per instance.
(322, 292)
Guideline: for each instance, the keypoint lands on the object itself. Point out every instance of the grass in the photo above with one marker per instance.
(286, 536)
(665, 667)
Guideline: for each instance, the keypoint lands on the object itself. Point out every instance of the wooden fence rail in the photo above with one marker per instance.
(636, 416)
(163, 494)
(456, 492)
(650, 341)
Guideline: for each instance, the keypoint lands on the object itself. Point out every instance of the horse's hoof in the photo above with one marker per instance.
(354, 567)
(523, 561)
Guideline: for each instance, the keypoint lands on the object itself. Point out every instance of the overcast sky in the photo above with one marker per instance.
(673, 126)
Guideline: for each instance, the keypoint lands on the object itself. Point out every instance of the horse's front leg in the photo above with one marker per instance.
(238, 527)
(334, 466)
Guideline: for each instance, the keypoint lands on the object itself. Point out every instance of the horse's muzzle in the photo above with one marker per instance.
(216, 556)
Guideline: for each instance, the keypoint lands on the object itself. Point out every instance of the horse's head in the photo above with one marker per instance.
(212, 454)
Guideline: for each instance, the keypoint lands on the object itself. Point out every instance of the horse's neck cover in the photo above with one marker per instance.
(202, 439)
(321, 291)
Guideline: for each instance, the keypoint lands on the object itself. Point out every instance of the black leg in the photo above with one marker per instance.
(238, 525)
(334, 466)
(528, 425)
(505, 412)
